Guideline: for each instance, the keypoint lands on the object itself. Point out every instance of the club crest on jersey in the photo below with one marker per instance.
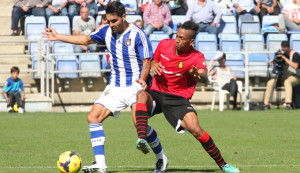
(180, 65)
(128, 42)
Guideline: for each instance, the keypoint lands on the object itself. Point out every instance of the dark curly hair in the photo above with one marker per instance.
(190, 25)
(115, 7)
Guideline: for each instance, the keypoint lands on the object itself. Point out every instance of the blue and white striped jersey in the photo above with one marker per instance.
(127, 52)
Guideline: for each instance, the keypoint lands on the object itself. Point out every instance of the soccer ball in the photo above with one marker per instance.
(16, 108)
(69, 161)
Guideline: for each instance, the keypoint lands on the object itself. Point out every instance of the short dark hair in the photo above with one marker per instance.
(15, 69)
(285, 44)
(189, 25)
(115, 7)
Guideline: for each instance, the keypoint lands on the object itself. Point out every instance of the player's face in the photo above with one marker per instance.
(116, 23)
(184, 40)
(14, 75)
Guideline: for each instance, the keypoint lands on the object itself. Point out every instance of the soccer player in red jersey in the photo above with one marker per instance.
(176, 65)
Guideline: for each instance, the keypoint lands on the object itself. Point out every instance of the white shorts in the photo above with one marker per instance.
(116, 99)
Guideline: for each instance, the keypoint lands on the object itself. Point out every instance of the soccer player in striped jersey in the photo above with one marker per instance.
(131, 53)
(175, 65)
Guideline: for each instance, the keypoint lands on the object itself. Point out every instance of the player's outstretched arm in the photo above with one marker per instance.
(51, 35)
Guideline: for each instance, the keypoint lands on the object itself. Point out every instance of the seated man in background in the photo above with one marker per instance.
(76, 5)
(11, 90)
(26, 7)
(57, 8)
(84, 26)
(157, 16)
(290, 75)
(290, 19)
(268, 7)
(245, 6)
(177, 7)
(206, 14)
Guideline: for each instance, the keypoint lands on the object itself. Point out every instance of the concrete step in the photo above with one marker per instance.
(8, 37)
(10, 61)
(6, 25)
(12, 50)
(26, 78)
(6, 9)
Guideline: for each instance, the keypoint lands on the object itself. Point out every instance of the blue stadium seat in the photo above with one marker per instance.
(293, 32)
(34, 26)
(104, 62)
(274, 43)
(230, 42)
(228, 25)
(175, 20)
(174, 36)
(236, 64)
(257, 61)
(98, 20)
(268, 20)
(207, 43)
(133, 18)
(156, 38)
(295, 42)
(129, 3)
(249, 27)
(89, 62)
(66, 62)
(61, 24)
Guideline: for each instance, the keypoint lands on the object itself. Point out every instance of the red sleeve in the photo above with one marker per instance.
(200, 62)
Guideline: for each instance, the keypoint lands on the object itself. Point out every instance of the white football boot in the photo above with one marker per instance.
(161, 165)
(93, 168)
(21, 110)
(10, 109)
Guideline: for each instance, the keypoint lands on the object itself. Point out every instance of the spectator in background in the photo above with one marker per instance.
(76, 5)
(141, 6)
(284, 2)
(84, 26)
(57, 8)
(101, 6)
(102, 22)
(290, 19)
(157, 16)
(225, 6)
(223, 74)
(26, 7)
(206, 14)
(245, 6)
(268, 7)
(139, 23)
(177, 7)
(11, 90)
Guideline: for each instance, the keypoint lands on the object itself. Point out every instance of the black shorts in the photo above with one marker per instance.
(174, 108)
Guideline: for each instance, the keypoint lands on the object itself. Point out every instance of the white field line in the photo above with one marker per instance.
(239, 166)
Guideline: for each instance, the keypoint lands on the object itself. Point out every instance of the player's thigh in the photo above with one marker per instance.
(98, 114)
(190, 122)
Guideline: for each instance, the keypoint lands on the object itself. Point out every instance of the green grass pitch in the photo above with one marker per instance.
(255, 141)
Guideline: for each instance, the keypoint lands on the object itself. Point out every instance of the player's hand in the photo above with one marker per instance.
(142, 82)
(194, 72)
(50, 34)
(156, 67)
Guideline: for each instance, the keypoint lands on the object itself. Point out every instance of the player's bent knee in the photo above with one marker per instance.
(197, 132)
(141, 96)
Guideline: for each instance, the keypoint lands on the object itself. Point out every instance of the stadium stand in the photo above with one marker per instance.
(228, 25)
(269, 20)
(133, 18)
(130, 4)
(295, 42)
(34, 26)
(156, 38)
(65, 63)
(249, 27)
(89, 62)
(61, 24)
(232, 43)
(175, 20)
(257, 61)
(274, 43)
(206, 43)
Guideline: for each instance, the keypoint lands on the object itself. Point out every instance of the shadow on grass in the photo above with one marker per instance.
(169, 170)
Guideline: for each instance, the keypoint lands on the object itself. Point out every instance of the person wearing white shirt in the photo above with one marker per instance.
(245, 6)
(57, 8)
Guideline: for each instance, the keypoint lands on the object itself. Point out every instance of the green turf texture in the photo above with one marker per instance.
(254, 141)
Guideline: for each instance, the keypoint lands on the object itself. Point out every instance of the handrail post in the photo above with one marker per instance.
(41, 65)
(246, 95)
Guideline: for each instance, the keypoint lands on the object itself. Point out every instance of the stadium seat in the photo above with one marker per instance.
(267, 20)
(104, 62)
(207, 43)
(252, 27)
(256, 61)
(133, 18)
(295, 42)
(89, 62)
(129, 3)
(156, 38)
(274, 43)
(293, 32)
(175, 20)
(98, 20)
(65, 62)
(228, 25)
(61, 24)
(34, 26)
(237, 66)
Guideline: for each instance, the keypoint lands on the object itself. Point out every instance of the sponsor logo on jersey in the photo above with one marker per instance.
(166, 58)
(128, 42)
(180, 65)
